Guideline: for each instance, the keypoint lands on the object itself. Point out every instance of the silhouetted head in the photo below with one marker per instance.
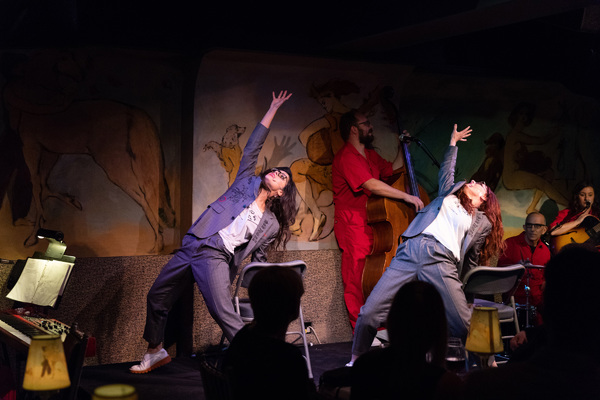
(275, 294)
(417, 323)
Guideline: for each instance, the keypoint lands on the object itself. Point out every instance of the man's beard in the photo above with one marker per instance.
(366, 139)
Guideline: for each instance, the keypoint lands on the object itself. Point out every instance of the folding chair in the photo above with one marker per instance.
(243, 308)
(487, 281)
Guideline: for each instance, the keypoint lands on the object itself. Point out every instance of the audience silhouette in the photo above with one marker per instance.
(566, 366)
(260, 363)
(413, 366)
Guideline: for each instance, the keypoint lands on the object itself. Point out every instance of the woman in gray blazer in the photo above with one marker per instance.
(458, 230)
(252, 216)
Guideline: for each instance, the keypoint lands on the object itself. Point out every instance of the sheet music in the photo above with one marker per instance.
(41, 282)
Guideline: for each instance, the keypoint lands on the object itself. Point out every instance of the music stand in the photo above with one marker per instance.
(52, 267)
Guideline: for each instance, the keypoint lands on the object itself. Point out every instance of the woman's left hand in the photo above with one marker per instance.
(460, 135)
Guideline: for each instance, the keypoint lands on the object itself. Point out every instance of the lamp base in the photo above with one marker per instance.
(42, 395)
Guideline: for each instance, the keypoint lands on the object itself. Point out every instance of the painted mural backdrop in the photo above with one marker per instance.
(532, 141)
(83, 152)
(233, 91)
(90, 140)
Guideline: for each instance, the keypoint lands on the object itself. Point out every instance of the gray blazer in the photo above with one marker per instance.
(480, 227)
(240, 195)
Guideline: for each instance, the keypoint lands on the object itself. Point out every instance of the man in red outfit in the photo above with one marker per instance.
(357, 171)
(527, 247)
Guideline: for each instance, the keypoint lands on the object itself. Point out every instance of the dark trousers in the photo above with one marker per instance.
(208, 263)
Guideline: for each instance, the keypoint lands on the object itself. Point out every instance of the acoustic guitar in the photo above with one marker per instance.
(587, 232)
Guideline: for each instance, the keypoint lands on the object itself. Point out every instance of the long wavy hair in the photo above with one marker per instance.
(494, 244)
(575, 207)
(284, 208)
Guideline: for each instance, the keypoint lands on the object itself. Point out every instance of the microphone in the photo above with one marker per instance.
(406, 138)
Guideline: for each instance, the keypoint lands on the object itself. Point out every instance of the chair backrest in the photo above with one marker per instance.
(242, 305)
(252, 268)
(493, 280)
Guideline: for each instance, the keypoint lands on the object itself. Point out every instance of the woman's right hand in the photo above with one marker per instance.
(415, 201)
(583, 215)
(279, 100)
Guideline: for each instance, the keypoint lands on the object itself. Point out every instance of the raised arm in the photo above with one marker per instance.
(446, 173)
(258, 136)
(275, 104)
(460, 136)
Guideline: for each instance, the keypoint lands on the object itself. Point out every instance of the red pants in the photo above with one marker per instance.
(355, 240)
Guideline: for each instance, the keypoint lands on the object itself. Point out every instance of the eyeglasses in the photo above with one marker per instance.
(534, 226)
(367, 123)
(282, 175)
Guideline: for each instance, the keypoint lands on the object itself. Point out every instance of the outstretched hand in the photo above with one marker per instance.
(280, 99)
(460, 136)
(275, 104)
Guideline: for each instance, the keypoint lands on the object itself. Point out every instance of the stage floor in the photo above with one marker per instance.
(181, 379)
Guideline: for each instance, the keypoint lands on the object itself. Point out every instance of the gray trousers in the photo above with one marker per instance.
(420, 258)
(207, 262)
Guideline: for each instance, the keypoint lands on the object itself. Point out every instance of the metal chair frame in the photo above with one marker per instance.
(243, 308)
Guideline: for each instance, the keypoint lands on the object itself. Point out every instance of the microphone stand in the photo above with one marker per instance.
(423, 146)
(527, 288)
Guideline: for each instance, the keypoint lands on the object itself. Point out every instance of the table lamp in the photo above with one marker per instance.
(56, 246)
(46, 367)
(115, 391)
(484, 337)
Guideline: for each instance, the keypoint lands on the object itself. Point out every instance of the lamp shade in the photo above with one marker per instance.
(114, 391)
(484, 332)
(46, 367)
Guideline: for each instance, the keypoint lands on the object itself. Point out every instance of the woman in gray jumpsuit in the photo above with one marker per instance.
(460, 229)
(253, 215)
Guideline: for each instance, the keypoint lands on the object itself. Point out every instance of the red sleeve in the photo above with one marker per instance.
(559, 218)
(510, 254)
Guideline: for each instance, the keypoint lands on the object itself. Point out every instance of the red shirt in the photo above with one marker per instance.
(517, 250)
(350, 170)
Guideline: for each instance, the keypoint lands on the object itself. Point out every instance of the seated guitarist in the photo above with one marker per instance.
(583, 211)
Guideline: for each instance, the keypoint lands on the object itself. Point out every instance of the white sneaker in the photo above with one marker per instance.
(350, 363)
(151, 361)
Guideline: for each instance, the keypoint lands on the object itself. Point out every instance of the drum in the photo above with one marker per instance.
(522, 315)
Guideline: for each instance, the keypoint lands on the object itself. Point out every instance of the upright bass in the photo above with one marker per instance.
(389, 218)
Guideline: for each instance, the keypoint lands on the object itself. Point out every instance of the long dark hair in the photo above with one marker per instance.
(575, 207)
(284, 207)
